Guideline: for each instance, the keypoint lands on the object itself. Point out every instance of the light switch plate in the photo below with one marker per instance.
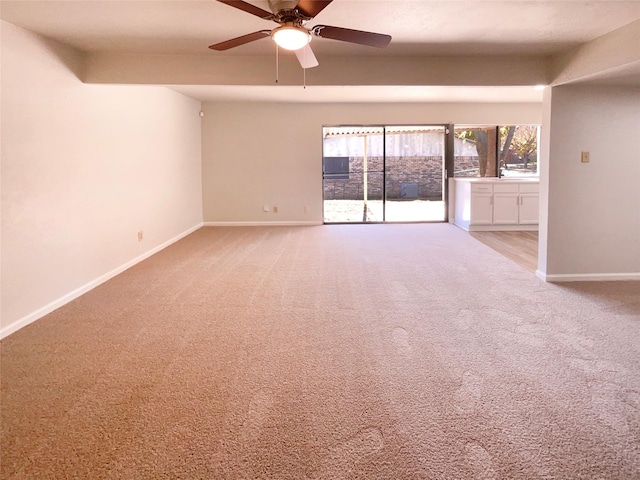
(584, 157)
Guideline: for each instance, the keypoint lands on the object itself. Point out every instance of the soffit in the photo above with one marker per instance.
(419, 27)
(361, 94)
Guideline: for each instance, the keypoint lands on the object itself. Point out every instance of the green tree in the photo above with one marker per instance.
(506, 137)
(485, 143)
(525, 143)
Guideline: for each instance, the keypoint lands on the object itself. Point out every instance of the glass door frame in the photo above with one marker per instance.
(448, 129)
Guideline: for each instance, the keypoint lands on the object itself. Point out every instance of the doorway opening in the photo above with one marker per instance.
(374, 174)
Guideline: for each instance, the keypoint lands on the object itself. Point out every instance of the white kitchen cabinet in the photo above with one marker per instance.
(495, 204)
(505, 208)
(529, 210)
(482, 201)
(505, 203)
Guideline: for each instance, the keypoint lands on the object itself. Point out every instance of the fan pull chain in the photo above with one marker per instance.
(277, 64)
(304, 70)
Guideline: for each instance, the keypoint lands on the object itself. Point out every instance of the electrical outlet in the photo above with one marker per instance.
(140, 235)
(275, 209)
(265, 208)
(306, 209)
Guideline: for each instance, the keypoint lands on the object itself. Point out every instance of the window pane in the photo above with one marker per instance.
(519, 150)
(414, 173)
(475, 151)
(352, 174)
(336, 168)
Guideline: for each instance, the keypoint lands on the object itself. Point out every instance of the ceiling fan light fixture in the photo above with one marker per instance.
(291, 37)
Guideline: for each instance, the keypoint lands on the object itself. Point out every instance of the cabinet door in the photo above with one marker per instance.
(529, 208)
(505, 208)
(481, 209)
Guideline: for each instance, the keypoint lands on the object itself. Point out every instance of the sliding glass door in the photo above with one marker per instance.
(414, 173)
(353, 173)
(384, 174)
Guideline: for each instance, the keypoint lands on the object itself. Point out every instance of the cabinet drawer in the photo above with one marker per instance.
(529, 187)
(481, 188)
(505, 188)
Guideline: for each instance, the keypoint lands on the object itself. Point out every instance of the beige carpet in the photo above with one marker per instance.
(330, 352)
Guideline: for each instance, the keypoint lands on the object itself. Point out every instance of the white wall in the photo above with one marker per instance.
(271, 153)
(84, 168)
(543, 173)
(593, 221)
(608, 55)
(208, 69)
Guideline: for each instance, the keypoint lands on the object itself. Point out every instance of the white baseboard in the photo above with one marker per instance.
(41, 312)
(495, 228)
(263, 224)
(587, 277)
(502, 228)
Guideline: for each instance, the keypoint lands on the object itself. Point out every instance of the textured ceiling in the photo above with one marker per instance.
(418, 27)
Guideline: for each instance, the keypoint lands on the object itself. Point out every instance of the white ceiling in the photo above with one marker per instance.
(418, 27)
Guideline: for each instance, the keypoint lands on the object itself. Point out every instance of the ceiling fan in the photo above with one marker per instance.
(292, 15)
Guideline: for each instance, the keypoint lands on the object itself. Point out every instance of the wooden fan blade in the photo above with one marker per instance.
(247, 7)
(352, 36)
(306, 57)
(311, 8)
(236, 42)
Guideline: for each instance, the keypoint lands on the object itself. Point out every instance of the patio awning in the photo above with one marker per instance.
(358, 131)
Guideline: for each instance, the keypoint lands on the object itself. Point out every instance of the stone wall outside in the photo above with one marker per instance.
(407, 178)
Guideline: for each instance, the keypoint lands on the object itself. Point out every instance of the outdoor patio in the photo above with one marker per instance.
(347, 211)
